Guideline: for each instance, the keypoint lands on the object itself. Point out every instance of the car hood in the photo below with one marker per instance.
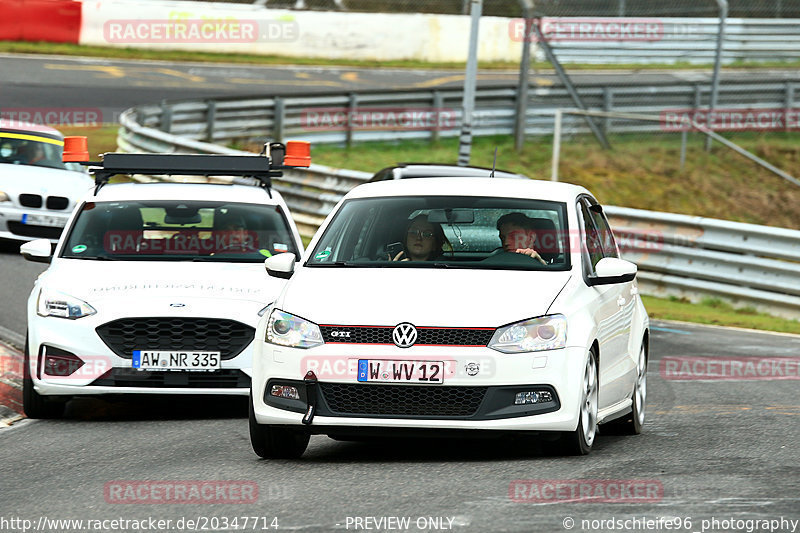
(422, 296)
(27, 179)
(135, 283)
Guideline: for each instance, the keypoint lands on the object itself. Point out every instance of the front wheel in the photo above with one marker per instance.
(275, 442)
(34, 404)
(579, 441)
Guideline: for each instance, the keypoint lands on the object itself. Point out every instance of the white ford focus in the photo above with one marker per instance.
(446, 305)
(156, 287)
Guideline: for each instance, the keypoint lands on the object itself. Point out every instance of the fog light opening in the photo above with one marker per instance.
(285, 391)
(60, 363)
(531, 397)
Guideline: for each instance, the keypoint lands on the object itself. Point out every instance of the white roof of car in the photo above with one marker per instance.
(186, 191)
(487, 187)
(16, 125)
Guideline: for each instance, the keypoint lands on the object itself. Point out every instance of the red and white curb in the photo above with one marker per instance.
(11, 361)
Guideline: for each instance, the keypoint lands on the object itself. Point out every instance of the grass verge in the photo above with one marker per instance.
(641, 171)
(110, 52)
(716, 312)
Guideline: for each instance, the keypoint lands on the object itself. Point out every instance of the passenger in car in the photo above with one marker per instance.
(518, 235)
(33, 153)
(423, 241)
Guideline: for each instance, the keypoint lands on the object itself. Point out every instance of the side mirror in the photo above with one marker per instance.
(280, 265)
(611, 270)
(38, 251)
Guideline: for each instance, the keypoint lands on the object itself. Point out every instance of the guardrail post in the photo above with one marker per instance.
(684, 139)
(211, 117)
(438, 104)
(608, 106)
(166, 116)
(352, 106)
(788, 103)
(279, 116)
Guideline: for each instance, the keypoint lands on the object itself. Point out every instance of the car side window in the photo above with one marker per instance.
(592, 250)
(604, 233)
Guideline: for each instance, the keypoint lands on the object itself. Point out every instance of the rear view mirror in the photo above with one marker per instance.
(280, 265)
(451, 216)
(611, 270)
(38, 251)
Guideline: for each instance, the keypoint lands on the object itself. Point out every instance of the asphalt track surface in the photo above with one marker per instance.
(713, 449)
(724, 450)
(46, 82)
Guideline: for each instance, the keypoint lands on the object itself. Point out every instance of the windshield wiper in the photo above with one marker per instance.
(93, 257)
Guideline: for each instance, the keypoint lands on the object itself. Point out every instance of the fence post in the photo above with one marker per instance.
(438, 104)
(788, 103)
(723, 14)
(351, 110)
(521, 110)
(279, 116)
(556, 145)
(608, 106)
(211, 117)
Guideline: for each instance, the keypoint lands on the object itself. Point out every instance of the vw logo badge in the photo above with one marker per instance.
(177, 305)
(404, 335)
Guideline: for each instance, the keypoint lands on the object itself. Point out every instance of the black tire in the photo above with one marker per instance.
(34, 404)
(580, 440)
(275, 442)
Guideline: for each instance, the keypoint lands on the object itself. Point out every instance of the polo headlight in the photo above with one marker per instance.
(289, 330)
(3, 197)
(59, 304)
(534, 335)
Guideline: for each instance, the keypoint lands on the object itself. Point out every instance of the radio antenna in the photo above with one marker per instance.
(494, 163)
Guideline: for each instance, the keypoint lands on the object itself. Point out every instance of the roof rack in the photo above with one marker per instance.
(275, 158)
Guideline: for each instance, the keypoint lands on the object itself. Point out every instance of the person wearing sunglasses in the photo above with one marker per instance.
(423, 241)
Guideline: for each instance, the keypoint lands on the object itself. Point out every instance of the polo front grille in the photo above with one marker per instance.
(38, 232)
(125, 335)
(217, 379)
(402, 400)
(425, 335)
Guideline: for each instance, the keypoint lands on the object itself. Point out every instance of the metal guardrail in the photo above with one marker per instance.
(432, 114)
(686, 40)
(680, 255)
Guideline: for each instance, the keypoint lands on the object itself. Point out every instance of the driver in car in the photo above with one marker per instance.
(518, 235)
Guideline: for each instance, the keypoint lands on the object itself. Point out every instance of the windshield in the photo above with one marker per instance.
(18, 149)
(179, 230)
(446, 232)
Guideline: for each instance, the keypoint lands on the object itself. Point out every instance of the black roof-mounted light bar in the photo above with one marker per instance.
(275, 158)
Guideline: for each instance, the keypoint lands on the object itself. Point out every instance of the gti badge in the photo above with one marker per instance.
(404, 335)
(472, 368)
(340, 334)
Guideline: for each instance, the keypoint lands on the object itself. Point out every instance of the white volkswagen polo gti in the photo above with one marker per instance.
(450, 305)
